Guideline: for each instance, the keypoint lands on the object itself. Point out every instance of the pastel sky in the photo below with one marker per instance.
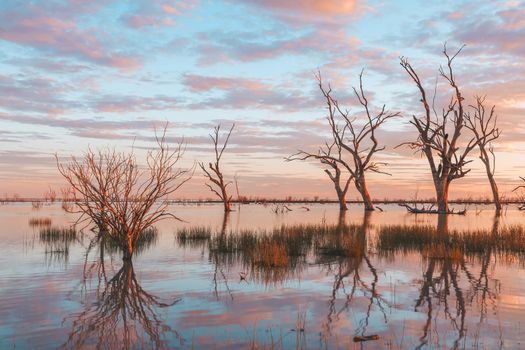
(95, 73)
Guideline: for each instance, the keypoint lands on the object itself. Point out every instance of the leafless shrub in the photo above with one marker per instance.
(110, 189)
(50, 195)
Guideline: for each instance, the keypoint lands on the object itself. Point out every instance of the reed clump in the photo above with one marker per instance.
(270, 254)
(40, 222)
(56, 242)
(194, 237)
(401, 238)
(54, 234)
(274, 255)
(348, 241)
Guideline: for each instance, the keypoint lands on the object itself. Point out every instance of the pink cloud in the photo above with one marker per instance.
(158, 14)
(242, 93)
(56, 33)
(140, 21)
(199, 83)
(248, 47)
(302, 12)
(123, 104)
(310, 7)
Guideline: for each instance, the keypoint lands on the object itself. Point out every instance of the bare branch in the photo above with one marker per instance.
(213, 172)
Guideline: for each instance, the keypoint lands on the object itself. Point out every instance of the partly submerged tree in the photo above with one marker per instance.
(484, 126)
(213, 171)
(439, 135)
(354, 143)
(330, 156)
(119, 195)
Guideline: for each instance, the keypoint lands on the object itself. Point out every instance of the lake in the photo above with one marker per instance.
(306, 278)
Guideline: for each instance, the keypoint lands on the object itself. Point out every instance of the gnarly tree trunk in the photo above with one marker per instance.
(341, 196)
(495, 192)
(492, 181)
(442, 195)
(341, 220)
(226, 200)
(360, 185)
(127, 252)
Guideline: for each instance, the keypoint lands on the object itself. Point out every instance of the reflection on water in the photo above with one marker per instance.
(256, 279)
(56, 241)
(122, 315)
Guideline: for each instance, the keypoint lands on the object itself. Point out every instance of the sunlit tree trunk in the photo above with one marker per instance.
(341, 193)
(360, 184)
(442, 187)
(492, 181)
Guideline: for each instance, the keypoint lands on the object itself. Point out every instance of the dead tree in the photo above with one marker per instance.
(484, 127)
(110, 188)
(437, 140)
(213, 171)
(356, 138)
(334, 162)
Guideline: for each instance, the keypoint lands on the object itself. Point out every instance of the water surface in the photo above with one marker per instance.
(70, 293)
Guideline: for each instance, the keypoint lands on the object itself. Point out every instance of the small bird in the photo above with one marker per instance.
(243, 276)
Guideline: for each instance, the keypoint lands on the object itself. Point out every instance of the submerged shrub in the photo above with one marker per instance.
(121, 197)
(147, 239)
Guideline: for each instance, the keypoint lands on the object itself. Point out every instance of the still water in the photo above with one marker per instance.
(202, 292)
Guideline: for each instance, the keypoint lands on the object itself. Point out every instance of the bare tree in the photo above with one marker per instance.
(335, 166)
(484, 127)
(437, 140)
(109, 187)
(354, 143)
(213, 171)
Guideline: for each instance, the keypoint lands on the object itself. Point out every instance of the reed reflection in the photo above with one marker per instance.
(456, 282)
(57, 242)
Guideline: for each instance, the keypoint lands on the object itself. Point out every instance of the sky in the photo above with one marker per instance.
(78, 74)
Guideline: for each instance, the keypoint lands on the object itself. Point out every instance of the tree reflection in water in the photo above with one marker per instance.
(123, 315)
(455, 281)
(344, 266)
(446, 258)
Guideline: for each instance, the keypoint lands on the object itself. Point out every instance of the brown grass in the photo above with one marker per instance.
(504, 241)
(270, 254)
